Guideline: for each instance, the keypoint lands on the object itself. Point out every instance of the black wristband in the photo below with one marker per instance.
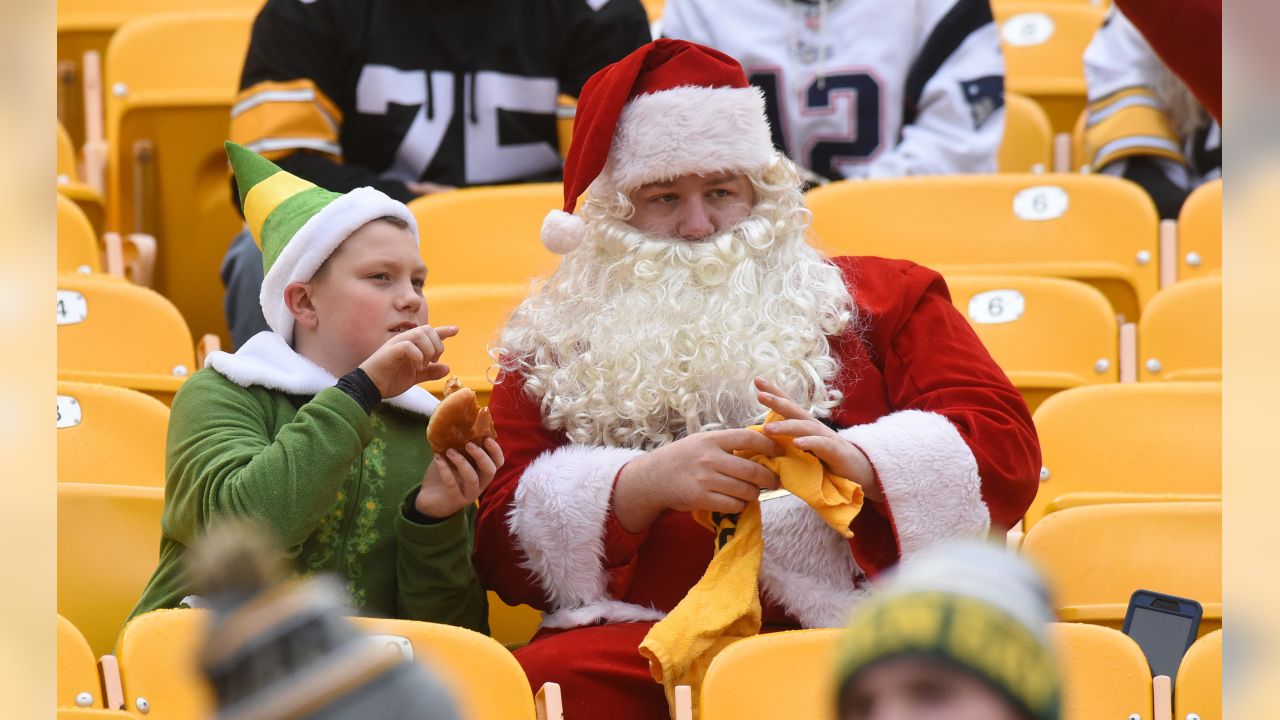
(361, 389)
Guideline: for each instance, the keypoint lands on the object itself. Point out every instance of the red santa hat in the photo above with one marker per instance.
(670, 108)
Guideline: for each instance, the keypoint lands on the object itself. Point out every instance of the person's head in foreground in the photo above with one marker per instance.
(959, 632)
(686, 272)
(343, 274)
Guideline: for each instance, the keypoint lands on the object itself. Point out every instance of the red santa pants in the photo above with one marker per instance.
(600, 671)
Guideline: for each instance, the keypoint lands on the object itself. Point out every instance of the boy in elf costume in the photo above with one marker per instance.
(316, 429)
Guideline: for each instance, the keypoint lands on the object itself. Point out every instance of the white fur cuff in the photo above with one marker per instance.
(558, 520)
(808, 567)
(929, 476)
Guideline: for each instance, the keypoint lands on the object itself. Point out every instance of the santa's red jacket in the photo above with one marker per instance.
(950, 438)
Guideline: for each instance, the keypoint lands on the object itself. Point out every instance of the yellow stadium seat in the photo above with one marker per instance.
(479, 311)
(1104, 673)
(77, 243)
(1109, 443)
(1028, 138)
(486, 234)
(566, 111)
(1043, 45)
(654, 8)
(171, 82)
(1180, 333)
(71, 183)
(1048, 334)
(1098, 229)
(158, 670)
(115, 333)
(513, 626)
(1096, 556)
(78, 683)
(1200, 232)
(87, 26)
(108, 546)
(486, 680)
(94, 714)
(774, 675)
(1198, 691)
(110, 435)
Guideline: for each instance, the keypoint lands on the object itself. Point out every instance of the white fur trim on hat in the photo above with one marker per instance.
(316, 240)
(687, 130)
(562, 233)
(929, 476)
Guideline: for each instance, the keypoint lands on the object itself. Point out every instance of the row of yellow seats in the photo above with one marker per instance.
(1105, 675)
(153, 672)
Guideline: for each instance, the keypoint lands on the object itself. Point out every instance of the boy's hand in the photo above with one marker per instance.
(454, 481)
(408, 359)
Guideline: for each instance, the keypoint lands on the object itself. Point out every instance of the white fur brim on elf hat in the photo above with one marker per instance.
(298, 225)
(668, 109)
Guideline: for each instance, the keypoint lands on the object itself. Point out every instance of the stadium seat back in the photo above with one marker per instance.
(77, 242)
(110, 435)
(1028, 137)
(71, 184)
(1156, 439)
(94, 714)
(1043, 46)
(486, 680)
(171, 83)
(78, 683)
(1180, 333)
(774, 675)
(1095, 556)
(112, 332)
(486, 235)
(85, 25)
(108, 546)
(1198, 690)
(1104, 673)
(157, 655)
(479, 311)
(512, 625)
(1098, 229)
(1047, 334)
(1200, 232)
(66, 157)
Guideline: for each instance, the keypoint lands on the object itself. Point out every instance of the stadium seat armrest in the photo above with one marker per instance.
(684, 703)
(95, 146)
(141, 258)
(208, 344)
(113, 254)
(547, 703)
(1162, 697)
(112, 689)
(1128, 352)
(1062, 152)
(1168, 252)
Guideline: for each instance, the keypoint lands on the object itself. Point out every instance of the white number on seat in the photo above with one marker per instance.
(68, 412)
(995, 307)
(72, 307)
(1039, 203)
(1027, 29)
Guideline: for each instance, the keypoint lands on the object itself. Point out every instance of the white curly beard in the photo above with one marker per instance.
(637, 340)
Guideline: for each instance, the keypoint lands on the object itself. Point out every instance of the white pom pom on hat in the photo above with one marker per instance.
(562, 232)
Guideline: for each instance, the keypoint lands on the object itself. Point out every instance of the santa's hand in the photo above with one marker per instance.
(407, 359)
(700, 472)
(840, 456)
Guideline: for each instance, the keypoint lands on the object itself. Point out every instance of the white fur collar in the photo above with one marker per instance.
(268, 361)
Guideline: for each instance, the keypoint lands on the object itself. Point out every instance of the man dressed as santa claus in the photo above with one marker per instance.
(687, 305)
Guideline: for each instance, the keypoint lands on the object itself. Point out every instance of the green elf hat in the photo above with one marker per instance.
(970, 605)
(298, 225)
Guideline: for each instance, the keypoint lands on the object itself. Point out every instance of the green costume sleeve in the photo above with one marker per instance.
(221, 459)
(434, 575)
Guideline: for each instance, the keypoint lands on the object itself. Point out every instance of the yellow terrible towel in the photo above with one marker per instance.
(724, 606)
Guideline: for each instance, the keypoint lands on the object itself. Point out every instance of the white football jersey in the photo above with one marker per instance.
(865, 88)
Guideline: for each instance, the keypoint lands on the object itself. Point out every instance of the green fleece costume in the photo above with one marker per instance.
(264, 433)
